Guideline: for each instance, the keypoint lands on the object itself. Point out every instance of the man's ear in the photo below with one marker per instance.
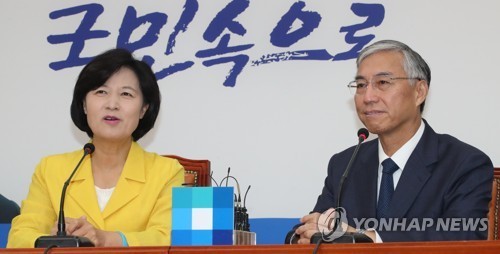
(421, 91)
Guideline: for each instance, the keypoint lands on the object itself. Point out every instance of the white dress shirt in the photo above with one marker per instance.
(400, 157)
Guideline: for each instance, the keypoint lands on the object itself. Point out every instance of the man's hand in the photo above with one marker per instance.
(309, 228)
(316, 222)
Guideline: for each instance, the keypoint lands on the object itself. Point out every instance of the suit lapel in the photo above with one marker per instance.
(130, 183)
(82, 191)
(415, 174)
(372, 177)
(365, 174)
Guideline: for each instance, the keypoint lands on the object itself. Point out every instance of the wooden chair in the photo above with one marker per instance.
(494, 213)
(197, 172)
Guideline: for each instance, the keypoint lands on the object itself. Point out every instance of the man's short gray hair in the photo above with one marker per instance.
(413, 64)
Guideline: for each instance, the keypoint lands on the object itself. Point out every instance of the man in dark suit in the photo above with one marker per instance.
(409, 184)
(8, 210)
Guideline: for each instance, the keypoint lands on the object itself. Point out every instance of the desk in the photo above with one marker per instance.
(455, 247)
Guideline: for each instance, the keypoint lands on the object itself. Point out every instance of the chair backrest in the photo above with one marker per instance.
(494, 213)
(197, 172)
(8, 210)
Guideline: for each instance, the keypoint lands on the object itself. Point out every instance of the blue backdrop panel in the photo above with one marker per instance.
(272, 230)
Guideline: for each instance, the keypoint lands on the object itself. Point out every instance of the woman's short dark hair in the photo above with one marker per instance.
(99, 70)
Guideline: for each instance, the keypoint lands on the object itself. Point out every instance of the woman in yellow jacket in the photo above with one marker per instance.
(121, 195)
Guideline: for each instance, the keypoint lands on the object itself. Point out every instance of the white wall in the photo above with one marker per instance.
(279, 125)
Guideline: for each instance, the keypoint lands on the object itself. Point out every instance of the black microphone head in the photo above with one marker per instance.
(89, 148)
(363, 134)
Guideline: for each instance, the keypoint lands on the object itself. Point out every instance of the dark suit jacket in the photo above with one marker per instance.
(443, 178)
(8, 210)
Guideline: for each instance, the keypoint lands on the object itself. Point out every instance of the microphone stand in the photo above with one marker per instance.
(347, 237)
(61, 239)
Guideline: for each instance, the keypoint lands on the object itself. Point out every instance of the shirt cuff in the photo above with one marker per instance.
(377, 236)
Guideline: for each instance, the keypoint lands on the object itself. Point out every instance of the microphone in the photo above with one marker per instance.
(347, 237)
(61, 239)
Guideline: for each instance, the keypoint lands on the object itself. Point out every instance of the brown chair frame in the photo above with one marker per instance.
(197, 172)
(494, 213)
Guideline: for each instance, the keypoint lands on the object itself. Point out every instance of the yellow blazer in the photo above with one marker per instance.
(140, 206)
